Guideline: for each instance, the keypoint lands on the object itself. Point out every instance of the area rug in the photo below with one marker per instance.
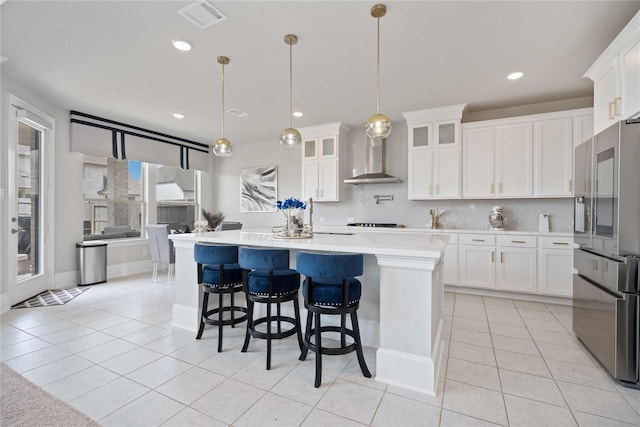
(51, 297)
(25, 404)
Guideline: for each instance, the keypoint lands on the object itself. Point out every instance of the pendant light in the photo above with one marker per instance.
(222, 147)
(378, 126)
(290, 137)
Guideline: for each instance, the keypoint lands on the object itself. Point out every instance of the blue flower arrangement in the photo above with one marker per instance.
(290, 203)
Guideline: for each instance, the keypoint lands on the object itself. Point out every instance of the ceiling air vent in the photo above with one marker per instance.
(202, 14)
(237, 112)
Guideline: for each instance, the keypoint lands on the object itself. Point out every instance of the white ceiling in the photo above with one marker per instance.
(114, 58)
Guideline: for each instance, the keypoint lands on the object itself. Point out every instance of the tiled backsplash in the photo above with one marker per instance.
(522, 214)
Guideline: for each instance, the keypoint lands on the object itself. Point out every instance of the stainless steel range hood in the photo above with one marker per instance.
(374, 169)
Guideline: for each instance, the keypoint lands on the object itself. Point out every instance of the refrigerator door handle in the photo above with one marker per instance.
(631, 282)
(626, 368)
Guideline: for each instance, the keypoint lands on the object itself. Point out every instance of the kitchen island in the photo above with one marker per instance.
(411, 294)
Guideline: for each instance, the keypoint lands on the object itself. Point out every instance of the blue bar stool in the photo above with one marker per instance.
(219, 273)
(330, 287)
(268, 279)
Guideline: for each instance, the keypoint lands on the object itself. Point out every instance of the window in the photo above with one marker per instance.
(176, 197)
(113, 198)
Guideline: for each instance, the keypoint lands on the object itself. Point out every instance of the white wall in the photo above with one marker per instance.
(224, 186)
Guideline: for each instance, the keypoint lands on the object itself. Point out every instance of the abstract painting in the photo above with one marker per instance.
(259, 189)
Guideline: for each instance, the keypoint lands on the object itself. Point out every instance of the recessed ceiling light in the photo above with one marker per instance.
(515, 75)
(181, 44)
(298, 114)
(178, 115)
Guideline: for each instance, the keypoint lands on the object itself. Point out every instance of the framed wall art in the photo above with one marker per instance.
(259, 189)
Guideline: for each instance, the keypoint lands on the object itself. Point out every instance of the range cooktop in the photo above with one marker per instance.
(371, 224)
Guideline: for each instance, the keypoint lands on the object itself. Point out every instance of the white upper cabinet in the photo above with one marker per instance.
(616, 78)
(514, 160)
(323, 161)
(526, 156)
(497, 161)
(553, 157)
(478, 155)
(434, 153)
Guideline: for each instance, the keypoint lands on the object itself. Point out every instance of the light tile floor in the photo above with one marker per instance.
(112, 354)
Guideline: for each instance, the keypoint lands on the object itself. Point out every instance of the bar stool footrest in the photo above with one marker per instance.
(330, 350)
(206, 318)
(274, 320)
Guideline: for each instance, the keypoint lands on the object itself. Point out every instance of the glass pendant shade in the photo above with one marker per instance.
(290, 138)
(378, 126)
(222, 148)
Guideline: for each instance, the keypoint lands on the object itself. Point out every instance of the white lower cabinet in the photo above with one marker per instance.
(513, 263)
(516, 264)
(477, 261)
(451, 261)
(555, 266)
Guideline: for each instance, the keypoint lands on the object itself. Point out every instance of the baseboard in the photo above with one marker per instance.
(513, 295)
(128, 268)
(66, 279)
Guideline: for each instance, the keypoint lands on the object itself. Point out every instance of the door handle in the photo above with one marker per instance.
(616, 106)
(17, 230)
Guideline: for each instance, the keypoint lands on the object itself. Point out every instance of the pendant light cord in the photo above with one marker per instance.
(378, 70)
(223, 101)
(290, 85)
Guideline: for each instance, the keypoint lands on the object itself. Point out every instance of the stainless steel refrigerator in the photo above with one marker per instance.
(606, 283)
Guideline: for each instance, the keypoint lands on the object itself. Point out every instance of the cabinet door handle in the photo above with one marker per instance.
(606, 266)
(570, 185)
(611, 107)
(595, 265)
(501, 257)
(493, 256)
(477, 240)
(616, 106)
(560, 243)
(321, 192)
(437, 188)
(316, 193)
(430, 189)
(500, 188)
(491, 187)
(518, 241)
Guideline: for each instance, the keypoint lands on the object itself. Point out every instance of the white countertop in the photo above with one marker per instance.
(379, 243)
(346, 229)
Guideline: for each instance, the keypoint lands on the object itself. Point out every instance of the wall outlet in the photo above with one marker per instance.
(349, 220)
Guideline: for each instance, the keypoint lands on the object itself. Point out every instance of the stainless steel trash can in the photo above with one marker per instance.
(91, 259)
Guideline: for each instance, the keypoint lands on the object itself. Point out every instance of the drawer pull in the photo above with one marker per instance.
(518, 241)
(502, 257)
(477, 240)
(560, 243)
(493, 256)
